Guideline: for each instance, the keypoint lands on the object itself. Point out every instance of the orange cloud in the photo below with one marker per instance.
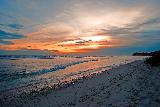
(62, 41)
(65, 38)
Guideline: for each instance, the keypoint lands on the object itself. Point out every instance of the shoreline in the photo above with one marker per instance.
(77, 93)
(71, 74)
(61, 85)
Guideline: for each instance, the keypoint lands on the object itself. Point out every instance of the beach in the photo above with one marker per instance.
(79, 53)
(132, 84)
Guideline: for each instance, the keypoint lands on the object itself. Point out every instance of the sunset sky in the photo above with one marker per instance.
(79, 27)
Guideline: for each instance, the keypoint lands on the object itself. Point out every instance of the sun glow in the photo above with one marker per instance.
(83, 44)
(84, 34)
(96, 38)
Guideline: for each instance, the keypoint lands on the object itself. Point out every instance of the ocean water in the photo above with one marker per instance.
(34, 74)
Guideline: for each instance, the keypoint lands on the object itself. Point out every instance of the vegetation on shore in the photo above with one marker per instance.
(154, 60)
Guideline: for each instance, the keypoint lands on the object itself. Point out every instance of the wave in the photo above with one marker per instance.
(58, 67)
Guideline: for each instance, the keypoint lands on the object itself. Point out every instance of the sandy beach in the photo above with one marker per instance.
(130, 85)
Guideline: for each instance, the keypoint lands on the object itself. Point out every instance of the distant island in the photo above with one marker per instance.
(146, 53)
(154, 60)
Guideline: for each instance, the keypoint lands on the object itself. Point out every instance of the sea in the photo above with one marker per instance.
(35, 74)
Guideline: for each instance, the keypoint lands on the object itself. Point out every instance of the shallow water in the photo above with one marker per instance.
(40, 73)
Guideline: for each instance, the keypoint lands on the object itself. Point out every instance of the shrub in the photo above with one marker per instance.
(154, 60)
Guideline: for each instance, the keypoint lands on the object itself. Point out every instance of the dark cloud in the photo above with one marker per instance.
(82, 42)
(7, 35)
(135, 29)
(15, 26)
(152, 21)
(149, 22)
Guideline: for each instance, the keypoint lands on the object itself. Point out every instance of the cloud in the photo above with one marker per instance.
(4, 36)
(59, 26)
(8, 35)
(5, 42)
(16, 26)
(25, 52)
(151, 21)
(82, 41)
(12, 26)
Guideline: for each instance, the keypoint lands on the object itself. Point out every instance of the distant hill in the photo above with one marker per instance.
(146, 53)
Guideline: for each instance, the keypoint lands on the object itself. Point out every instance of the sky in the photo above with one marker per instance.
(79, 27)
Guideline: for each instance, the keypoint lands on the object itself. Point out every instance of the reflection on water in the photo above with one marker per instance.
(39, 73)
